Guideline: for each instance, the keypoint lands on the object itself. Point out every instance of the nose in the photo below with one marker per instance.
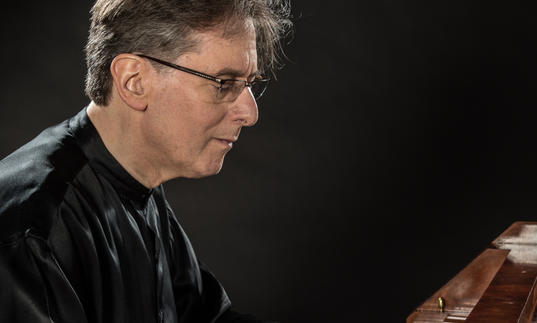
(245, 108)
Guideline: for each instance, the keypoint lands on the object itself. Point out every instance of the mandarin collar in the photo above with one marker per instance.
(103, 162)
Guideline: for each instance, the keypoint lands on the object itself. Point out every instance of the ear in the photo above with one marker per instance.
(130, 77)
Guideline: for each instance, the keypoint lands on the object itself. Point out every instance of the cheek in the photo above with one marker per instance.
(183, 122)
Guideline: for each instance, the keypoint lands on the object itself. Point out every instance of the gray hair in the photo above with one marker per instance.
(166, 28)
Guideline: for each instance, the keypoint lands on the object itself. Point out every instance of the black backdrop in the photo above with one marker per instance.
(397, 143)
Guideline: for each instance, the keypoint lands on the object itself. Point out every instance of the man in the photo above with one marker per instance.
(86, 234)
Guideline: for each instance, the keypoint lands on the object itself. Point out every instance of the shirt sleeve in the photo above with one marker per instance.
(33, 286)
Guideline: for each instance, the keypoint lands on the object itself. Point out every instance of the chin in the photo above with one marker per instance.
(209, 169)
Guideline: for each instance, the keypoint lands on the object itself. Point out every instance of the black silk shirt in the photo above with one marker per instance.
(82, 241)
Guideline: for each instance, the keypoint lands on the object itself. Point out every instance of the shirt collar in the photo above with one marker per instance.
(103, 162)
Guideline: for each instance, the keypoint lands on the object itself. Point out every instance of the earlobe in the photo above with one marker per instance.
(128, 77)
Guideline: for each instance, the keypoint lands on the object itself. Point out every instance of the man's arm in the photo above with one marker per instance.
(32, 286)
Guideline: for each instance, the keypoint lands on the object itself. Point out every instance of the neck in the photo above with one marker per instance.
(117, 127)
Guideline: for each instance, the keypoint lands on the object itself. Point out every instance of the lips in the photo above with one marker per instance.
(227, 142)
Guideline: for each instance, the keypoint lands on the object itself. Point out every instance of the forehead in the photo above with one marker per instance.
(218, 50)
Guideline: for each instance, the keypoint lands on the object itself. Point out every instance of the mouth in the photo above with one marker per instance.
(226, 142)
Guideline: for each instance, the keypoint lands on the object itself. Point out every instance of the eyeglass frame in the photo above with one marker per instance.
(220, 81)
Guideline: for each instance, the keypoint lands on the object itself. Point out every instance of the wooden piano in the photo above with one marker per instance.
(496, 287)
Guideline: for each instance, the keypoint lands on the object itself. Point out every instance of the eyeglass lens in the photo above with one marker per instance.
(259, 87)
(230, 90)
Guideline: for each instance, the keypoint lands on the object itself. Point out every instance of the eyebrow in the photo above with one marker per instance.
(234, 73)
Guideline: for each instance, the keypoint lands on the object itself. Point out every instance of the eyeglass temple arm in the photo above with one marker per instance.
(184, 69)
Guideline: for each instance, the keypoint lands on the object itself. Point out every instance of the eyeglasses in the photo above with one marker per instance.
(228, 90)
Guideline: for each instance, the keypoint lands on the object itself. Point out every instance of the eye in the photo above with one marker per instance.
(226, 86)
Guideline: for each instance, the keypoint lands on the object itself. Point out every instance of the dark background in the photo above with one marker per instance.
(398, 142)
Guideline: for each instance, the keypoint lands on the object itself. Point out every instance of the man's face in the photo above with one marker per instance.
(188, 132)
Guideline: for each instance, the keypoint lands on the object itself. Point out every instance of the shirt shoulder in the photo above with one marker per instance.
(34, 179)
